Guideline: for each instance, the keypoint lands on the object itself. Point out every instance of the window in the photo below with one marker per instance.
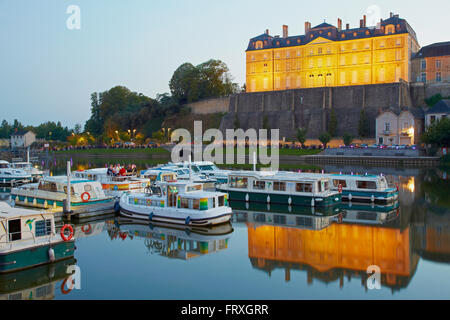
(259, 185)
(14, 230)
(43, 227)
(387, 126)
(343, 183)
(303, 187)
(438, 64)
(432, 119)
(319, 51)
(266, 83)
(438, 77)
(87, 188)
(238, 182)
(423, 77)
(221, 201)
(196, 203)
(423, 64)
(184, 203)
(279, 186)
(366, 184)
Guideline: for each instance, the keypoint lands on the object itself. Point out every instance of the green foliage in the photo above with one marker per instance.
(332, 124)
(210, 79)
(348, 138)
(363, 124)
(301, 135)
(325, 138)
(431, 101)
(438, 134)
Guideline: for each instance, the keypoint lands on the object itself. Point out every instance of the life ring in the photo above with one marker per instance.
(63, 236)
(83, 196)
(397, 187)
(63, 286)
(88, 230)
(340, 188)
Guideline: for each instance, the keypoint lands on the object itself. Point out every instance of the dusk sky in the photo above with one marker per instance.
(48, 71)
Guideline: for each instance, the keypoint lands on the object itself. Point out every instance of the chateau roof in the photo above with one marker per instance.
(434, 50)
(331, 33)
(442, 106)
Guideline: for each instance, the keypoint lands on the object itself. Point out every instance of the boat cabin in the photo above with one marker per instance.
(359, 182)
(159, 175)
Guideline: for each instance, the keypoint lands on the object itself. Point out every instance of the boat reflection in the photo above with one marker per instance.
(170, 241)
(345, 246)
(38, 283)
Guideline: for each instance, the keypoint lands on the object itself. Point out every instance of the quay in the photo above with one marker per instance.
(371, 160)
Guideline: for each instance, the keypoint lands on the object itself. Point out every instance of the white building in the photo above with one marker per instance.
(22, 139)
(399, 126)
(437, 112)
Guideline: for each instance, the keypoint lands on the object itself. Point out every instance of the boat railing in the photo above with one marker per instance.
(7, 237)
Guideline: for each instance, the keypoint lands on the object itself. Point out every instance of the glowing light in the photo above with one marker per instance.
(411, 185)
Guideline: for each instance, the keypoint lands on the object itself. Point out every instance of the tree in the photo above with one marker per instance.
(363, 125)
(332, 123)
(438, 134)
(301, 136)
(348, 138)
(325, 138)
(77, 128)
(95, 124)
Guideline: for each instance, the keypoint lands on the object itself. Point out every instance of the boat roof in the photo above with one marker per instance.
(63, 179)
(7, 212)
(4, 162)
(278, 175)
(93, 171)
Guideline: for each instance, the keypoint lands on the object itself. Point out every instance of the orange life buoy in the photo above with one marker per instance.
(63, 285)
(340, 188)
(397, 187)
(63, 236)
(83, 197)
(88, 230)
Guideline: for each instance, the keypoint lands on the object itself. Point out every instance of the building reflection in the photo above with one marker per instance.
(345, 248)
(170, 241)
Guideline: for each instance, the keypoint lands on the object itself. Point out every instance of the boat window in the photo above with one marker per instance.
(184, 203)
(278, 219)
(326, 185)
(47, 186)
(279, 186)
(194, 188)
(206, 168)
(196, 204)
(14, 230)
(221, 201)
(304, 221)
(72, 191)
(303, 187)
(152, 177)
(343, 183)
(43, 227)
(239, 182)
(87, 188)
(362, 184)
(195, 169)
(259, 185)
(3, 166)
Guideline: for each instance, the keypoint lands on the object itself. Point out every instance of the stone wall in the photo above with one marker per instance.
(208, 106)
(420, 91)
(289, 110)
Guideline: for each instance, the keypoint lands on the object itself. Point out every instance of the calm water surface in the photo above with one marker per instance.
(265, 253)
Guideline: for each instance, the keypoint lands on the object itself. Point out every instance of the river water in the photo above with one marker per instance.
(265, 253)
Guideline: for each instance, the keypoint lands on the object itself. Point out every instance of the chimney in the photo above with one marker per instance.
(339, 25)
(307, 27)
(267, 31)
(391, 15)
(285, 31)
(361, 21)
(347, 26)
(365, 20)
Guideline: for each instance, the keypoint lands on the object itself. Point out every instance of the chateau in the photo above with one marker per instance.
(329, 56)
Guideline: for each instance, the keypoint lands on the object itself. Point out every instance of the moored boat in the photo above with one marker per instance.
(280, 187)
(28, 167)
(113, 185)
(12, 176)
(177, 202)
(51, 192)
(28, 238)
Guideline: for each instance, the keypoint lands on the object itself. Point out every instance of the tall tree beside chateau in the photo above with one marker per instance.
(301, 136)
(325, 138)
(210, 79)
(363, 125)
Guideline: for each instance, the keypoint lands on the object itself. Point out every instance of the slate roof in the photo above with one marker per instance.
(19, 133)
(434, 50)
(442, 106)
(335, 34)
(417, 113)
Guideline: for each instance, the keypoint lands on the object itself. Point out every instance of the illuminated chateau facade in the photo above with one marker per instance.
(332, 56)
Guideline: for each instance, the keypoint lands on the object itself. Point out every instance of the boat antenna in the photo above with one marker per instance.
(68, 186)
(28, 154)
(190, 169)
(254, 161)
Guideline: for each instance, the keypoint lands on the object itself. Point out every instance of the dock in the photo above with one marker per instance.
(91, 211)
(375, 160)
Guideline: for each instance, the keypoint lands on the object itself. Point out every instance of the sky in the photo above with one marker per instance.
(48, 71)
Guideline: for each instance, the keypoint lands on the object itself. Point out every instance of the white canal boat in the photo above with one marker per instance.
(28, 238)
(281, 187)
(12, 176)
(113, 185)
(178, 202)
(51, 192)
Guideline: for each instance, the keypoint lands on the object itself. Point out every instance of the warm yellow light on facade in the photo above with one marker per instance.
(411, 184)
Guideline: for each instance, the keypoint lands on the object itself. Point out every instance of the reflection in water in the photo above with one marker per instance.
(38, 283)
(170, 241)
